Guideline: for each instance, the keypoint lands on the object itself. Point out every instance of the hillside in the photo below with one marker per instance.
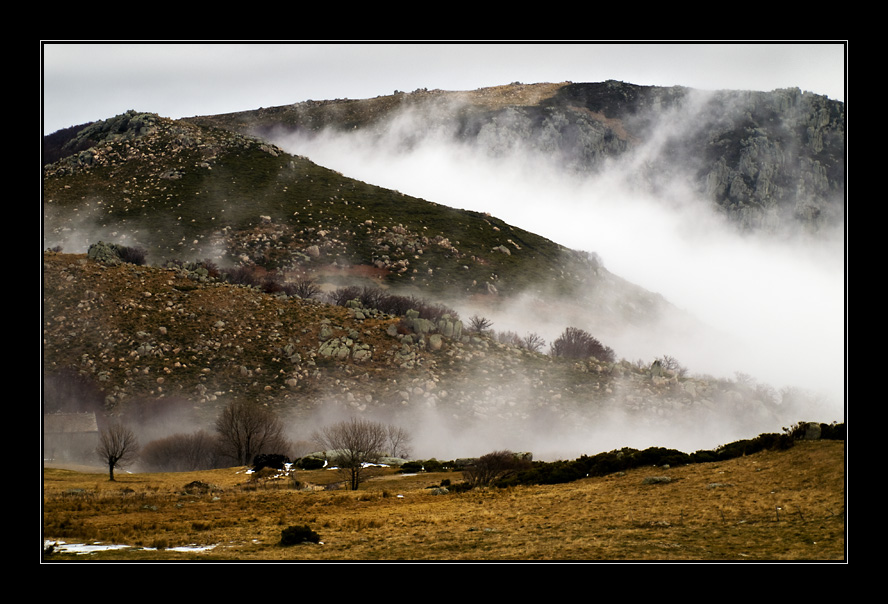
(167, 342)
(770, 161)
(166, 350)
(190, 193)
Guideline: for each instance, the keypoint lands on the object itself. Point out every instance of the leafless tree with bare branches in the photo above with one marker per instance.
(533, 342)
(118, 447)
(479, 324)
(246, 428)
(399, 441)
(353, 444)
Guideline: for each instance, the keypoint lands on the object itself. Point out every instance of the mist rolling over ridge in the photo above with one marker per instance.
(660, 221)
(772, 302)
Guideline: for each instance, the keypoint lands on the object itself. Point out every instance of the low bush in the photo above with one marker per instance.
(392, 304)
(490, 470)
(576, 343)
(181, 453)
(295, 535)
(411, 467)
(433, 465)
(270, 460)
(832, 431)
(132, 255)
(310, 463)
(495, 468)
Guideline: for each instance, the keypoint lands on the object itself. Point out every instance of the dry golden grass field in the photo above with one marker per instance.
(770, 506)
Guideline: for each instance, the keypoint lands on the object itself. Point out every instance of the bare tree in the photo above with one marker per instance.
(118, 447)
(672, 365)
(246, 428)
(398, 441)
(479, 324)
(180, 452)
(533, 342)
(304, 288)
(352, 445)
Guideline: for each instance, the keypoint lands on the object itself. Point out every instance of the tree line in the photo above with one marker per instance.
(249, 433)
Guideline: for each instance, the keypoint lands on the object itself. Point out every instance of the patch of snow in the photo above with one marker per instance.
(82, 548)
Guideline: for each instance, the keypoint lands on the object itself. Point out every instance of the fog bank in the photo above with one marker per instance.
(775, 304)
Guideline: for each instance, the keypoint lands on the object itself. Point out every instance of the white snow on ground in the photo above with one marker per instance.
(82, 548)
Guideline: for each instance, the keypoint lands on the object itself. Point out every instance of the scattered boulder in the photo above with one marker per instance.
(811, 431)
(656, 480)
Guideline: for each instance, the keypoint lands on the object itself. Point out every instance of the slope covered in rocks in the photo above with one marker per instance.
(168, 348)
(186, 192)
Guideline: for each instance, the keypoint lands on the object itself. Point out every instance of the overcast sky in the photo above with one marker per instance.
(83, 82)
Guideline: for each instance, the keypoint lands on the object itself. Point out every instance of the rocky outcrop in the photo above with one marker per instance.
(769, 160)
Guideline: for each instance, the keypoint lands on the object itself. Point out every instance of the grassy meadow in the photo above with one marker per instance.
(770, 506)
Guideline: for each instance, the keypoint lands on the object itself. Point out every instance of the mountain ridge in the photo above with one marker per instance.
(301, 218)
(767, 160)
(220, 191)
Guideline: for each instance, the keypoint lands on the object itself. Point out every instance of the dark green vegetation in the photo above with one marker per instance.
(294, 535)
(625, 459)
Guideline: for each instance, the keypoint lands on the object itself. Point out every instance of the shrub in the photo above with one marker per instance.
(533, 342)
(411, 467)
(272, 284)
(672, 365)
(304, 288)
(575, 343)
(242, 275)
(208, 267)
(180, 453)
(762, 442)
(833, 431)
(433, 465)
(294, 535)
(392, 304)
(270, 460)
(310, 463)
(132, 255)
(479, 324)
(494, 467)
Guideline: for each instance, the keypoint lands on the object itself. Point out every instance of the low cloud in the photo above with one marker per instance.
(772, 307)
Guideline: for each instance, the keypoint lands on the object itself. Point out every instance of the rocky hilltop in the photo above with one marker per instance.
(769, 160)
(182, 191)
